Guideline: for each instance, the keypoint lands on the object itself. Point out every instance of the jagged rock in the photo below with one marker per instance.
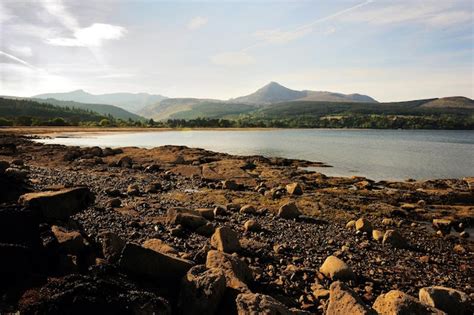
(255, 303)
(377, 235)
(58, 205)
(363, 225)
(249, 209)
(112, 245)
(451, 301)
(225, 240)
(351, 224)
(342, 301)
(236, 272)
(395, 239)
(336, 269)
(398, 303)
(190, 219)
(294, 189)
(207, 213)
(159, 246)
(230, 184)
(145, 262)
(201, 290)
(252, 226)
(69, 241)
(289, 211)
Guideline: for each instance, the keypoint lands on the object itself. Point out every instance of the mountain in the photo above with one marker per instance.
(277, 93)
(450, 102)
(128, 101)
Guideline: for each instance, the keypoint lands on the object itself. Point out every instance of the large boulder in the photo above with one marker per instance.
(398, 303)
(363, 225)
(69, 241)
(255, 303)
(294, 189)
(236, 272)
(58, 205)
(145, 262)
(159, 246)
(112, 245)
(394, 239)
(289, 211)
(201, 290)
(449, 300)
(190, 219)
(342, 301)
(226, 240)
(336, 269)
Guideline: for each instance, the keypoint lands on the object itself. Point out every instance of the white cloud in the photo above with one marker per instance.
(25, 51)
(92, 36)
(280, 37)
(232, 59)
(197, 22)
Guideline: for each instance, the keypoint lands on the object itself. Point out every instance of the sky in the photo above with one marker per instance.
(390, 50)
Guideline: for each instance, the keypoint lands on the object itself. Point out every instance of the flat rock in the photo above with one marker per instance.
(225, 240)
(398, 303)
(342, 301)
(255, 303)
(448, 300)
(159, 246)
(236, 272)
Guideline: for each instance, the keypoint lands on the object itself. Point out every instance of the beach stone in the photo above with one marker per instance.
(159, 246)
(225, 240)
(294, 189)
(207, 213)
(201, 290)
(220, 210)
(112, 245)
(459, 249)
(58, 205)
(342, 300)
(230, 185)
(451, 301)
(133, 190)
(377, 235)
(125, 161)
(363, 225)
(70, 241)
(395, 239)
(398, 303)
(256, 303)
(336, 269)
(190, 219)
(464, 234)
(248, 209)
(206, 230)
(146, 263)
(388, 221)
(443, 225)
(252, 226)
(289, 211)
(236, 272)
(114, 203)
(351, 224)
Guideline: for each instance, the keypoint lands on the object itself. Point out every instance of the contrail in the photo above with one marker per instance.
(320, 20)
(23, 62)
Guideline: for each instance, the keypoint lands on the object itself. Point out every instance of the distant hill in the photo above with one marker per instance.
(132, 102)
(450, 102)
(275, 93)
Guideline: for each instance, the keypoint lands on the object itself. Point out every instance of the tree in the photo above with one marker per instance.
(104, 122)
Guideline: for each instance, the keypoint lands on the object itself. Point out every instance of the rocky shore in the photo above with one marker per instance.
(175, 230)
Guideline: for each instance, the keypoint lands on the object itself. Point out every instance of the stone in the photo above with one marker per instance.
(69, 241)
(377, 235)
(159, 246)
(114, 203)
(220, 210)
(335, 269)
(248, 209)
(252, 226)
(133, 190)
(289, 211)
(443, 225)
(190, 219)
(451, 301)
(342, 301)
(58, 205)
(3, 166)
(294, 189)
(398, 303)
(464, 234)
(112, 245)
(236, 272)
(388, 221)
(206, 230)
(201, 290)
(230, 184)
(207, 213)
(395, 239)
(225, 240)
(256, 303)
(363, 225)
(351, 224)
(148, 263)
(459, 249)
(125, 161)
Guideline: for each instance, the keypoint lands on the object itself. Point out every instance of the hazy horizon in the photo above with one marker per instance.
(389, 50)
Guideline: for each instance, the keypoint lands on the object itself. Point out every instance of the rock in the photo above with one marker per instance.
(458, 248)
(201, 290)
(112, 245)
(388, 221)
(294, 189)
(69, 241)
(125, 161)
(252, 226)
(443, 225)
(249, 209)
(114, 203)
(464, 234)
(236, 272)
(342, 301)
(395, 239)
(207, 213)
(206, 230)
(189, 219)
(58, 205)
(133, 190)
(256, 303)
(3, 166)
(377, 235)
(451, 301)
(363, 225)
(159, 246)
(16, 174)
(145, 262)
(398, 303)
(153, 188)
(336, 269)
(225, 240)
(230, 184)
(220, 210)
(289, 211)
(351, 224)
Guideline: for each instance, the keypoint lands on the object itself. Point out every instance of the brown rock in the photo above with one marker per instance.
(226, 240)
(249, 209)
(363, 225)
(289, 211)
(398, 303)
(351, 224)
(252, 226)
(207, 213)
(190, 219)
(336, 269)
(449, 300)
(230, 184)
(112, 245)
(377, 235)
(294, 189)
(395, 239)
(159, 246)
(342, 301)
(70, 241)
(255, 303)
(236, 272)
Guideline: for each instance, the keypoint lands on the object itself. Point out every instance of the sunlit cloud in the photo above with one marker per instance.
(197, 22)
(92, 36)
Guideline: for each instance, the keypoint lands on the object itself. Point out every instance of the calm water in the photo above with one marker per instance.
(376, 154)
